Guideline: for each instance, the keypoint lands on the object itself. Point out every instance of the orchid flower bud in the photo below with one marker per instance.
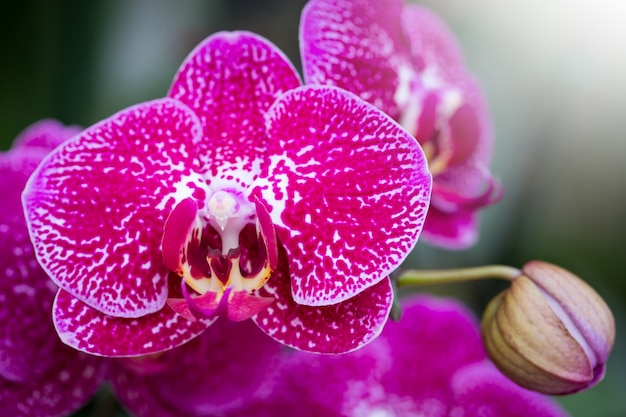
(550, 331)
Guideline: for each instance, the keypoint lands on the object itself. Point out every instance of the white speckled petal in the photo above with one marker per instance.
(349, 190)
(96, 206)
(358, 45)
(88, 330)
(230, 80)
(338, 328)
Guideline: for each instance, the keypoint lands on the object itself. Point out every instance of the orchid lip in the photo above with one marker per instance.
(222, 267)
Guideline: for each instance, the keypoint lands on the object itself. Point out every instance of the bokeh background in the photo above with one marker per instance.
(553, 71)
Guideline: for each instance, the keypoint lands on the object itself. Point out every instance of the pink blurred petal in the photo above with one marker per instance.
(221, 371)
(46, 134)
(431, 41)
(458, 230)
(27, 337)
(480, 390)
(87, 329)
(230, 80)
(338, 328)
(431, 363)
(432, 340)
(349, 190)
(67, 385)
(96, 206)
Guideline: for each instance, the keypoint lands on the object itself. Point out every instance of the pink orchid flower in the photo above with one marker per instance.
(404, 60)
(240, 195)
(430, 363)
(39, 375)
(234, 365)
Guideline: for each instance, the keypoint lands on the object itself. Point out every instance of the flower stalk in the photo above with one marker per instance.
(416, 277)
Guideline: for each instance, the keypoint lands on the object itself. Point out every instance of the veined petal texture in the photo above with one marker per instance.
(230, 80)
(349, 191)
(96, 206)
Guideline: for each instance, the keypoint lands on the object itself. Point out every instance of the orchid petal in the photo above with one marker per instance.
(27, 337)
(443, 334)
(349, 191)
(480, 389)
(218, 372)
(60, 390)
(98, 203)
(338, 328)
(458, 230)
(88, 330)
(431, 41)
(176, 230)
(46, 134)
(357, 45)
(430, 363)
(230, 80)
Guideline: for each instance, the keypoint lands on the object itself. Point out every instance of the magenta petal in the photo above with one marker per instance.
(175, 232)
(338, 328)
(88, 330)
(458, 230)
(433, 339)
(481, 390)
(230, 80)
(60, 390)
(464, 134)
(215, 374)
(431, 41)
(46, 134)
(357, 45)
(349, 191)
(27, 336)
(96, 206)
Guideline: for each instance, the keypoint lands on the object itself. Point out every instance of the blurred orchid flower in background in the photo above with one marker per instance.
(220, 372)
(404, 60)
(39, 375)
(240, 195)
(429, 363)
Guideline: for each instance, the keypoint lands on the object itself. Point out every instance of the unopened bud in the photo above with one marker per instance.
(550, 331)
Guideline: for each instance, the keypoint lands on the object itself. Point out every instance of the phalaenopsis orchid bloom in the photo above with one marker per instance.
(404, 60)
(240, 195)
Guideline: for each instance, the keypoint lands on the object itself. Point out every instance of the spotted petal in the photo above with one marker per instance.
(220, 371)
(338, 328)
(349, 191)
(59, 391)
(230, 80)
(357, 45)
(88, 330)
(96, 206)
(27, 337)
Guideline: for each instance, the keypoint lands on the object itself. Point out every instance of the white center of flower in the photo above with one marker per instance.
(222, 206)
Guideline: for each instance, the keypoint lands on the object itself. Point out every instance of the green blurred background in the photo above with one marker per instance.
(553, 71)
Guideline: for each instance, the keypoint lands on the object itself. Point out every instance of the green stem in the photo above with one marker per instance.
(415, 277)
